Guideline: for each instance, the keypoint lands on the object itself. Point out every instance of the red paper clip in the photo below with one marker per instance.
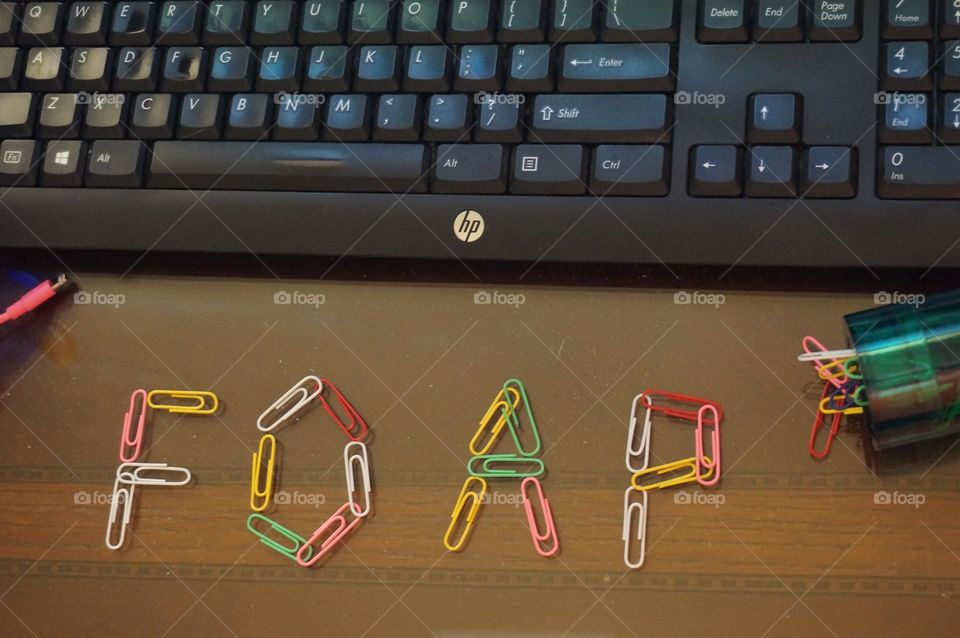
(682, 399)
(708, 471)
(126, 455)
(550, 534)
(340, 531)
(818, 424)
(356, 421)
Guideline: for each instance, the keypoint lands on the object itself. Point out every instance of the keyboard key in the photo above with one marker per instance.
(16, 114)
(90, 69)
(521, 21)
(41, 23)
(574, 21)
(279, 69)
(86, 23)
(600, 119)
(154, 115)
(715, 171)
(58, 117)
(950, 65)
(179, 23)
(830, 172)
(9, 23)
(499, 118)
(950, 119)
(774, 119)
(248, 117)
(530, 69)
(908, 19)
(907, 67)
(630, 171)
(447, 119)
(835, 20)
(773, 172)
(286, 166)
(231, 69)
(470, 169)
(632, 21)
(184, 70)
(201, 116)
(18, 163)
(105, 116)
(778, 21)
(63, 163)
(378, 69)
(906, 119)
(10, 62)
(137, 69)
(917, 172)
(132, 24)
(420, 22)
(479, 68)
(226, 22)
(548, 170)
(616, 67)
(428, 70)
(371, 22)
(723, 21)
(348, 119)
(298, 117)
(115, 164)
(950, 20)
(43, 69)
(274, 22)
(397, 119)
(322, 22)
(328, 69)
(470, 21)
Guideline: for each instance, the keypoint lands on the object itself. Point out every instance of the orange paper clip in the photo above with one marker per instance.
(130, 447)
(505, 410)
(335, 528)
(549, 536)
(705, 467)
(357, 429)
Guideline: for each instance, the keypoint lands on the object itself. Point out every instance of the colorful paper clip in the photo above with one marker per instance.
(335, 529)
(291, 403)
(505, 410)
(851, 367)
(629, 507)
(860, 396)
(817, 354)
(489, 462)
(356, 421)
(549, 535)
(705, 467)
(835, 370)
(159, 474)
(299, 542)
(202, 402)
(476, 501)
(260, 496)
(130, 447)
(355, 454)
(635, 447)
(121, 514)
(515, 422)
(666, 468)
(673, 398)
(826, 407)
(818, 425)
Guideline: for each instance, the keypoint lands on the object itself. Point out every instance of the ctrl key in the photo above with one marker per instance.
(17, 163)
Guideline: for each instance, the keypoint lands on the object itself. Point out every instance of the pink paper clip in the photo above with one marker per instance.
(356, 421)
(131, 455)
(812, 344)
(539, 538)
(818, 424)
(708, 466)
(337, 527)
(666, 399)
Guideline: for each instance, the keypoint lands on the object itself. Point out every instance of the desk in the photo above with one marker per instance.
(797, 548)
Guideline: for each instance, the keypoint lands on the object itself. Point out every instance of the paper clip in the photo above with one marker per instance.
(257, 470)
(646, 399)
(659, 470)
(825, 407)
(514, 423)
(299, 542)
(506, 411)
(122, 498)
(860, 396)
(199, 406)
(290, 403)
(705, 467)
(629, 507)
(356, 421)
(129, 456)
(550, 534)
(337, 527)
(642, 447)
(354, 453)
(489, 462)
(851, 367)
(815, 352)
(477, 500)
(818, 424)
(834, 371)
(134, 474)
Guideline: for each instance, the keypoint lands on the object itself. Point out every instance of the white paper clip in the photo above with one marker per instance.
(359, 457)
(637, 448)
(153, 474)
(629, 507)
(292, 401)
(122, 498)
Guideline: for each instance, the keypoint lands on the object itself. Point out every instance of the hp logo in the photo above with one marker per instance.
(468, 226)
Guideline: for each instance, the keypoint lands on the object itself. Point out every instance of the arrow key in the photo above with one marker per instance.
(830, 172)
(715, 171)
(907, 67)
(774, 119)
(772, 172)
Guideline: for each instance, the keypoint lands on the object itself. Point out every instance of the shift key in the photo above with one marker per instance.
(601, 119)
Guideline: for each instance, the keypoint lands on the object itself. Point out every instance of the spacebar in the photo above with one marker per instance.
(274, 166)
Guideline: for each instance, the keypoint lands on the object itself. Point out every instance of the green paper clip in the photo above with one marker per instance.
(860, 396)
(289, 552)
(488, 460)
(514, 419)
(848, 369)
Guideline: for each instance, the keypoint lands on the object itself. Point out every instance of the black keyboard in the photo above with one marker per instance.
(771, 132)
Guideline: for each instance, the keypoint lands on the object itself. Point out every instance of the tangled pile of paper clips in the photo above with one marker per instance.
(524, 464)
(701, 468)
(356, 462)
(131, 472)
(843, 392)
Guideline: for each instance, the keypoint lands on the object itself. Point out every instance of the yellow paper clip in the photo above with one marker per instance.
(199, 405)
(666, 468)
(477, 499)
(506, 412)
(848, 412)
(835, 370)
(256, 474)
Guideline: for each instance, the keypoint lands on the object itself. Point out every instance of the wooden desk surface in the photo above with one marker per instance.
(796, 548)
